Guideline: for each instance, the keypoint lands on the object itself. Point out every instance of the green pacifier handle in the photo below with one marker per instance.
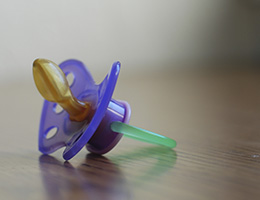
(142, 135)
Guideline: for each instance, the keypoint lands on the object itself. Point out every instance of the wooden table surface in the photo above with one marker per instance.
(213, 114)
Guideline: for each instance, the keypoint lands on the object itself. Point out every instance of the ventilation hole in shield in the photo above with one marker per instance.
(70, 78)
(57, 108)
(51, 132)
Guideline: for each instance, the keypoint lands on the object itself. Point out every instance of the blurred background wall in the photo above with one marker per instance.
(146, 35)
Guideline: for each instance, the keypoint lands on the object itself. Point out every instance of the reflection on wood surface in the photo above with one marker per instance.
(97, 177)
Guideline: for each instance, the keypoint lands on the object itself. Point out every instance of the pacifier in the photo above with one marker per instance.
(83, 113)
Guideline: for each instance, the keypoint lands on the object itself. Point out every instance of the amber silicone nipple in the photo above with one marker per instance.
(53, 86)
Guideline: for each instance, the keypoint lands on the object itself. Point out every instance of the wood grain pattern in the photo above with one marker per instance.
(213, 115)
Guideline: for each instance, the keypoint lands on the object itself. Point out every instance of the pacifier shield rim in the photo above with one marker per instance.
(110, 82)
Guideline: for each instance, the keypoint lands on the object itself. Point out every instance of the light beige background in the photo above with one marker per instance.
(143, 35)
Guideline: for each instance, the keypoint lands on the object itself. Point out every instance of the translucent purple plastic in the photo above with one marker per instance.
(95, 133)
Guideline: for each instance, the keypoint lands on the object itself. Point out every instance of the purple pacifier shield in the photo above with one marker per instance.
(96, 130)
